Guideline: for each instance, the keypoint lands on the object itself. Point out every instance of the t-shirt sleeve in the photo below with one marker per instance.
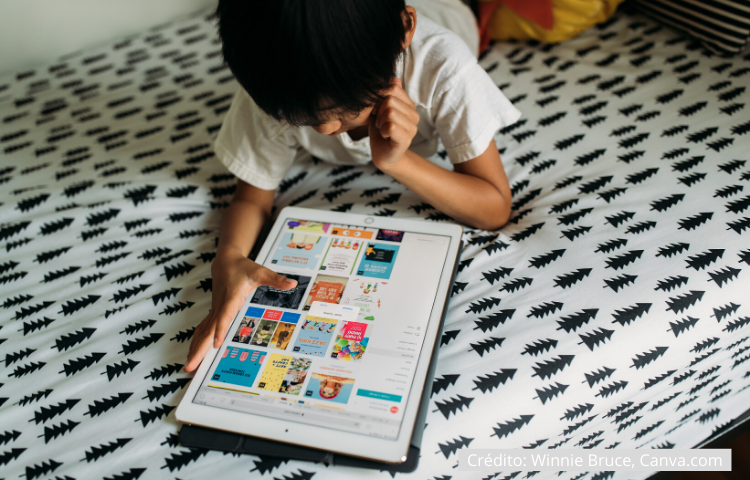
(255, 147)
(468, 111)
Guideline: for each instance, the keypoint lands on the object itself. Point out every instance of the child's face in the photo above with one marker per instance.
(343, 122)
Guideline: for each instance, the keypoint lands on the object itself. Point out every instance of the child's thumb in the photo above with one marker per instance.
(396, 81)
(281, 282)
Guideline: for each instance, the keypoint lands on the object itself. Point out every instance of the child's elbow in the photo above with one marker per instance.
(491, 224)
(494, 219)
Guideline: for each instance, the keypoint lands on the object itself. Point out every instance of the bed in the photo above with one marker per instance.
(611, 312)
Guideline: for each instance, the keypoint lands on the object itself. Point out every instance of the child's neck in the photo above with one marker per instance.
(359, 133)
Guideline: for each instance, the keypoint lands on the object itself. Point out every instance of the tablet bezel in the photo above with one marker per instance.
(311, 436)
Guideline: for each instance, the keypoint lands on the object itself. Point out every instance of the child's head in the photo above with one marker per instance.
(323, 63)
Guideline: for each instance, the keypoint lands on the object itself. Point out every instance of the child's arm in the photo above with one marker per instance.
(476, 192)
(234, 275)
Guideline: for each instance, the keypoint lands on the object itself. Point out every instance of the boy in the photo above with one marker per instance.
(349, 81)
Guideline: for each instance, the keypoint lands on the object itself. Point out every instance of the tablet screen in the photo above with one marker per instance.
(340, 350)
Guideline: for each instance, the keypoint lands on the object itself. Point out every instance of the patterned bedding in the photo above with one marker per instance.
(611, 312)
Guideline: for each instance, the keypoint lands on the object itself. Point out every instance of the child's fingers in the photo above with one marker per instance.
(400, 94)
(396, 110)
(200, 344)
(398, 135)
(397, 122)
(375, 109)
(406, 107)
(276, 280)
(390, 115)
(200, 331)
(387, 130)
(194, 360)
(224, 316)
(227, 311)
(396, 90)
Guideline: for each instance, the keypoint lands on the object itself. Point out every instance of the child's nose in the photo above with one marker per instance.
(328, 127)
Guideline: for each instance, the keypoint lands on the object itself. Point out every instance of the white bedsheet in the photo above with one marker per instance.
(612, 312)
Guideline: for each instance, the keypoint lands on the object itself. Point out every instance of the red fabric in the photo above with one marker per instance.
(538, 11)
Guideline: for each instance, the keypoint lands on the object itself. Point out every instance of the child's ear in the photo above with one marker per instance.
(409, 17)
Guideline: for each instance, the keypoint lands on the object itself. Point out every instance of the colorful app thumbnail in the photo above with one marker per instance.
(284, 374)
(341, 255)
(239, 366)
(299, 250)
(329, 387)
(314, 335)
(264, 333)
(284, 330)
(326, 289)
(347, 231)
(351, 341)
(378, 260)
(368, 295)
(307, 226)
(390, 235)
(244, 332)
(273, 297)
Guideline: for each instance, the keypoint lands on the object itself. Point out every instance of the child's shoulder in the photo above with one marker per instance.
(434, 61)
(438, 46)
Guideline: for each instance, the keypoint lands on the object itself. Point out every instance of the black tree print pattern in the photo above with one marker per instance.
(611, 312)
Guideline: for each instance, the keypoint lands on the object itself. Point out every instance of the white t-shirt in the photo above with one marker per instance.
(455, 98)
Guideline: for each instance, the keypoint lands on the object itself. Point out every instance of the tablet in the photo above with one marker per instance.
(338, 363)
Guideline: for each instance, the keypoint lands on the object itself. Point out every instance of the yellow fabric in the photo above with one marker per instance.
(571, 17)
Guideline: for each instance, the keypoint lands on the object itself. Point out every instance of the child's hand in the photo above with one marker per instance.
(393, 127)
(234, 278)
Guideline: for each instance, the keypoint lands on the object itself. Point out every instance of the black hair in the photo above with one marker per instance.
(302, 60)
